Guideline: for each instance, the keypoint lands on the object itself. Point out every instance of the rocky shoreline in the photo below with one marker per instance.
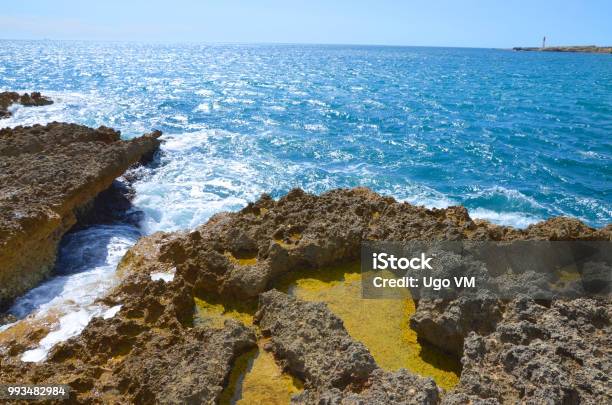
(159, 348)
(154, 350)
(50, 177)
(9, 98)
(582, 49)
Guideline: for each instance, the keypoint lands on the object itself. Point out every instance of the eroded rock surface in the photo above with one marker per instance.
(382, 388)
(8, 98)
(149, 352)
(312, 343)
(559, 350)
(559, 355)
(49, 174)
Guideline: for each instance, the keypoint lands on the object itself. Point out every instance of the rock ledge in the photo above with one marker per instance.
(48, 174)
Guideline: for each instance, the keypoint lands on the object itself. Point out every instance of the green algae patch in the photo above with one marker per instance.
(213, 312)
(380, 324)
(257, 379)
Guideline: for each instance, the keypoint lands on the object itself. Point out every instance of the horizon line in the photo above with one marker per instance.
(204, 42)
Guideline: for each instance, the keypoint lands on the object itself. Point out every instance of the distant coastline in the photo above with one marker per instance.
(579, 48)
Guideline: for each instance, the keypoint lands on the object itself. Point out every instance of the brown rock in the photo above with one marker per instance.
(382, 388)
(29, 100)
(558, 355)
(512, 351)
(311, 342)
(48, 173)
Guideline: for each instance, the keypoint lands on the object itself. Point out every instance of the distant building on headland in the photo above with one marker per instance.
(583, 48)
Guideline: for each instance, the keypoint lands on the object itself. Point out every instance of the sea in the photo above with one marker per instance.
(515, 137)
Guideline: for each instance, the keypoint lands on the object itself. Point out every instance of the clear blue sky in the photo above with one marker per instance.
(477, 23)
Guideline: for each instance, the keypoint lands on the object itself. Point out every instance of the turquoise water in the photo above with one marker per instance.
(515, 137)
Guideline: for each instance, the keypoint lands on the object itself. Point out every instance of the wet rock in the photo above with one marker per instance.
(149, 352)
(8, 98)
(110, 206)
(7, 318)
(49, 174)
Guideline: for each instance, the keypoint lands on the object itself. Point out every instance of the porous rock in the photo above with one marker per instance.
(312, 343)
(557, 355)
(48, 175)
(382, 388)
(511, 351)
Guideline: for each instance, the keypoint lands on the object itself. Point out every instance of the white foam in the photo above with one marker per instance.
(315, 127)
(205, 93)
(86, 268)
(515, 219)
(111, 312)
(88, 260)
(70, 325)
(166, 277)
(419, 194)
(91, 109)
(512, 197)
(7, 326)
(202, 173)
(203, 107)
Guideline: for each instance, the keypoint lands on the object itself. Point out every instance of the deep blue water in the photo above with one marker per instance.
(515, 137)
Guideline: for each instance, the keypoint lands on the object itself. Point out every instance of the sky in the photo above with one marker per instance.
(463, 23)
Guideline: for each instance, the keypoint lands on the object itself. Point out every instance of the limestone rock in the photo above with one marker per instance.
(49, 174)
(311, 342)
(513, 351)
(382, 388)
(561, 354)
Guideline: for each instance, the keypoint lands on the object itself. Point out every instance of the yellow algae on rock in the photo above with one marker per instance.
(243, 261)
(290, 242)
(212, 312)
(380, 324)
(259, 380)
(256, 378)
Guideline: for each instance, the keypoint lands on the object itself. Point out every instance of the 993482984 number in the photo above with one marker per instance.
(25, 391)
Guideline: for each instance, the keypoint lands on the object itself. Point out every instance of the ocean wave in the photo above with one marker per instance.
(497, 196)
(84, 272)
(514, 219)
(198, 175)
